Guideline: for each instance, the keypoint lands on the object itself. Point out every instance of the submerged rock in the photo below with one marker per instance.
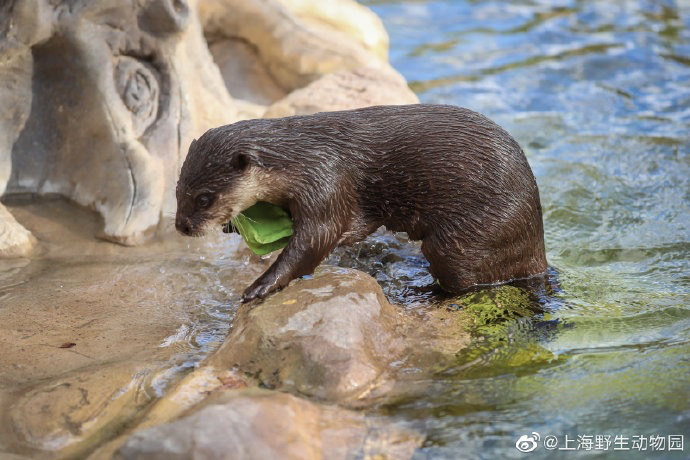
(490, 309)
(253, 424)
(68, 413)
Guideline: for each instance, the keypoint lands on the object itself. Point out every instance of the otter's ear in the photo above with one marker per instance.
(241, 161)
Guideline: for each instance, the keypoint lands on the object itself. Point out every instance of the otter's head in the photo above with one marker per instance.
(219, 179)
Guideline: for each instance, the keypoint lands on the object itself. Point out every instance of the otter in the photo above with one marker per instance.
(445, 175)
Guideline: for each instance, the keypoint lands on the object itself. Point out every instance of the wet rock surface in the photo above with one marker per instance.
(334, 337)
(264, 424)
(330, 339)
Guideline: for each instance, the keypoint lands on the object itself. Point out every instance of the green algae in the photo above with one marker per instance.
(490, 309)
(496, 318)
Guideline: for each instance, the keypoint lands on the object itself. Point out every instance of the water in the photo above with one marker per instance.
(598, 95)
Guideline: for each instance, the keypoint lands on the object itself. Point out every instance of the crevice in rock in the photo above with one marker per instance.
(246, 76)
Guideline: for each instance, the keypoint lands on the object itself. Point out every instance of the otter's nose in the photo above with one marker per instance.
(183, 226)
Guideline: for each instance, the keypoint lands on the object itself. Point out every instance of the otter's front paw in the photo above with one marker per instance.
(257, 291)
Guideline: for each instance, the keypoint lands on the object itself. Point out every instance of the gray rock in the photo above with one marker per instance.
(259, 424)
(335, 338)
(331, 337)
(105, 100)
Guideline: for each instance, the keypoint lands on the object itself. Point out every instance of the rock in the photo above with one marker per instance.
(263, 424)
(115, 100)
(66, 413)
(335, 338)
(245, 75)
(347, 16)
(345, 90)
(8, 456)
(294, 51)
(16, 240)
(16, 70)
(331, 337)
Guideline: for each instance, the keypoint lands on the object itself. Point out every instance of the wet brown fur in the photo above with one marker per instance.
(445, 175)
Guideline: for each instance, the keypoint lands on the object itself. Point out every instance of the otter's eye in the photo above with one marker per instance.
(203, 201)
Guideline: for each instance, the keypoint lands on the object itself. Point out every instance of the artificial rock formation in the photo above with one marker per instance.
(107, 97)
(101, 98)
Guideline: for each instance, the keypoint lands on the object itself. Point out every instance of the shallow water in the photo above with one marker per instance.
(598, 95)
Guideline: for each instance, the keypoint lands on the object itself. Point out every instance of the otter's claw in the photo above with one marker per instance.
(257, 291)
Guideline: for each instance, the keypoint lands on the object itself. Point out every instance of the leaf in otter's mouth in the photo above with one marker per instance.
(264, 227)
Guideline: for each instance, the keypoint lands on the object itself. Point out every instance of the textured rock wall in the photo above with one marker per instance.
(101, 98)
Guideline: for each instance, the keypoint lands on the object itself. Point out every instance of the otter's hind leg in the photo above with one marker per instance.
(450, 264)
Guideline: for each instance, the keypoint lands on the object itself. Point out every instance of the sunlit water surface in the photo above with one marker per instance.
(598, 95)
